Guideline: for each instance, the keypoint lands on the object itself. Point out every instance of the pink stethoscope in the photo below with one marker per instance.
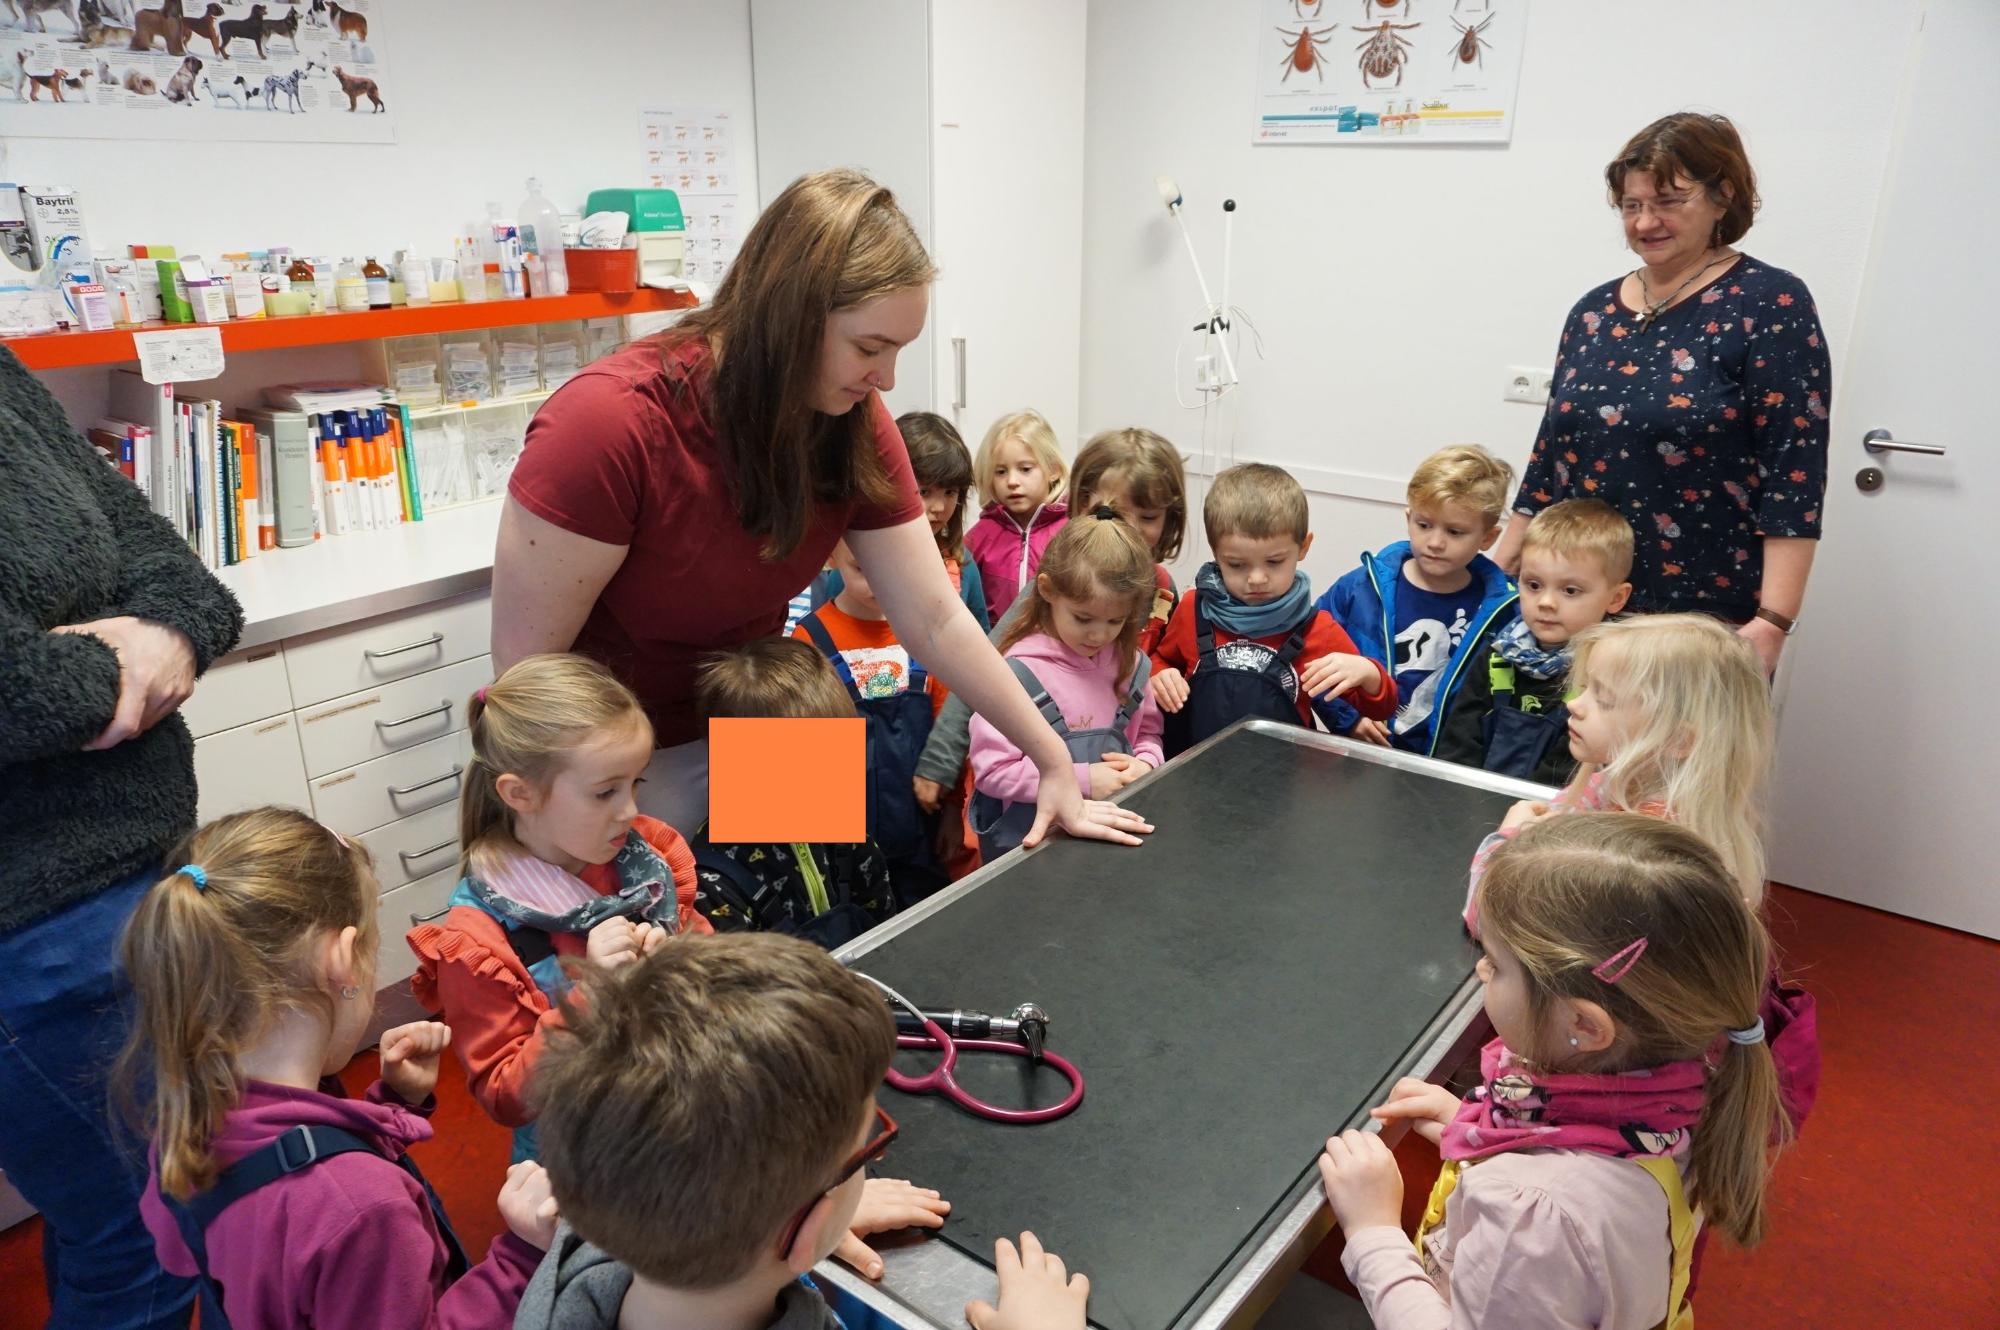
(1028, 1026)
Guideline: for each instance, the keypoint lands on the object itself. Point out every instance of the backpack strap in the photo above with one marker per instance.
(738, 883)
(1294, 644)
(299, 1148)
(824, 641)
(1500, 678)
(1039, 696)
(1135, 696)
(1682, 1225)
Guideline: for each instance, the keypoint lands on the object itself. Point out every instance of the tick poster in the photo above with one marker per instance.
(1388, 71)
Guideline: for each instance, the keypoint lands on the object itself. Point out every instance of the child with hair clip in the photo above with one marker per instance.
(1138, 475)
(1628, 1099)
(253, 970)
(1019, 472)
(1075, 649)
(556, 865)
(1670, 716)
(943, 468)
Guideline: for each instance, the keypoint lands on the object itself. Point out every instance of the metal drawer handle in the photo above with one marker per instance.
(407, 855)
(432, 917)
(453, 774)
(434, 640)
(443, 708)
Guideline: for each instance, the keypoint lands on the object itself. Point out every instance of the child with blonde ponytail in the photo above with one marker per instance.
(556, 865)
(1628, 1098)
(253, 970)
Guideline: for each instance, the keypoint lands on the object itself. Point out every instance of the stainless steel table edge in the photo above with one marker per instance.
(928, 1283)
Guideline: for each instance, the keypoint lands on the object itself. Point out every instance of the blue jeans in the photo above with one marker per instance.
(65, 1009)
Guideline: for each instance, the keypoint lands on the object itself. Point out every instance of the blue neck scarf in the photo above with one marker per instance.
(1246, 620)
(1517, 645)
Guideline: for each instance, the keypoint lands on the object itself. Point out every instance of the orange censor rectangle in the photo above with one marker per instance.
(787, 780)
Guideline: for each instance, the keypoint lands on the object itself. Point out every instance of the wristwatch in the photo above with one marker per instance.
(1783, 623)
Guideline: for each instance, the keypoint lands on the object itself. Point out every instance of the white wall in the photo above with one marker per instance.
(484, 98)
(1393, 285)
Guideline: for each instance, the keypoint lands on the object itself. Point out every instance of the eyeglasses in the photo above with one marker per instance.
(878, 1145)
(1660, 207)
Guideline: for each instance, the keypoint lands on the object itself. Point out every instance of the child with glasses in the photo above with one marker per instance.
(775, 1051)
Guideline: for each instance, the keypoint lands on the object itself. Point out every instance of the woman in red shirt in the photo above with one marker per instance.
(675, 495)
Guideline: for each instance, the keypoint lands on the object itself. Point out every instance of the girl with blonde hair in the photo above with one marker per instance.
(253, 966)
(1020, 476)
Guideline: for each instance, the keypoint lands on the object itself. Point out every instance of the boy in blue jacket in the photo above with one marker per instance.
(1421, 606)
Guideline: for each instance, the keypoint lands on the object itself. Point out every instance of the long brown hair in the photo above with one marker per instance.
(1570, 893)
(1704, 150)
(528, 722)
(215, 955)
(940, 460)
(1093, 555)
(1150, 470)
(829, 242)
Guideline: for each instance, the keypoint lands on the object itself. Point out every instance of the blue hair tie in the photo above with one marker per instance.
(196, 874)
(1749, 1034)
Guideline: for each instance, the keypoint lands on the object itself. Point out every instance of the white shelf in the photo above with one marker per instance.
(339, 579)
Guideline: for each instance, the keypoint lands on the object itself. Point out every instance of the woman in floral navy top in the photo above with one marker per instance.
(1692, 394)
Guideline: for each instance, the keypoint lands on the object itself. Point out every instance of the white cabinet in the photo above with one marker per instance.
(249, 766)
(363, 726)
(973, 115)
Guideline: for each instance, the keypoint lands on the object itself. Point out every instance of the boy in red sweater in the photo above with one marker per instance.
(1240, 641)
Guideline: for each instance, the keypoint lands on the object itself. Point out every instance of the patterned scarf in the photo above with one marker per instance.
(1518, 646)
(1627, 1115)
(1247, 620)
(536, 894)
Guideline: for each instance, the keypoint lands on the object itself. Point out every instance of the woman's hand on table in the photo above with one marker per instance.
(155, 674)
(1058, 803)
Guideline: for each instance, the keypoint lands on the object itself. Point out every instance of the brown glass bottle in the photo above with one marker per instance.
(378, 284)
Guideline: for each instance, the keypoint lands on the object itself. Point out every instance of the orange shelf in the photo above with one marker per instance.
(63, 350)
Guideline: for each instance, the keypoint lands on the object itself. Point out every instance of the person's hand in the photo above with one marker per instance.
(618, 941)
(1370, 731)
(1340, 672)
(929, 794)
(1363, 1184)
(410, 1055)
(155, 674)
(1058, 803)
(528, 1204)
(1170, 690)
(1427, 1108)
(1107, 778)
(1769, 641)
(1525, 813)
(888, 1204)
(1130, 766)
(1036, 1292)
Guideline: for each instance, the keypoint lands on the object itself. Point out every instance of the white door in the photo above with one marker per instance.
(1888, 715)
(1007, 99)
(847, 83)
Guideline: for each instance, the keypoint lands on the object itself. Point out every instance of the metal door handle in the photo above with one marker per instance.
(1882, 441)
(453, 774)
(443, 708)
(435, 639)
(958, 361)
(407, 855)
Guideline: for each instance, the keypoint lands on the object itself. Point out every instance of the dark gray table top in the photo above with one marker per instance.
(1247, 982)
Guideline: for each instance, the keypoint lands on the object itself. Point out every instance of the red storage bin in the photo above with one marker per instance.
(614, 271)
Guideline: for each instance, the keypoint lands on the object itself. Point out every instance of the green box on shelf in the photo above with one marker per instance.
(649, 209)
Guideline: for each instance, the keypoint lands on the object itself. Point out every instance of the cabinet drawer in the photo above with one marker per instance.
(375, 793)
(394, 961)
(364, 726)
(250, 766)
(414, 847)
(339, 661)
(250, 685)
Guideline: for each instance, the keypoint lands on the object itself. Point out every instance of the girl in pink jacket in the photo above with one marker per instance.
(1075, 648)
(1629, 1097)
(253, 966)
(1019, 474)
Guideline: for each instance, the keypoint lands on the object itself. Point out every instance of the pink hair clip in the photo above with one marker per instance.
(1609, 969)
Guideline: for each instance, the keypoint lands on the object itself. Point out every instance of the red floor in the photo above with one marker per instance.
(1879, 1209)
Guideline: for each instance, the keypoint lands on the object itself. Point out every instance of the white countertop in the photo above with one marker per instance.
(341, 579)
